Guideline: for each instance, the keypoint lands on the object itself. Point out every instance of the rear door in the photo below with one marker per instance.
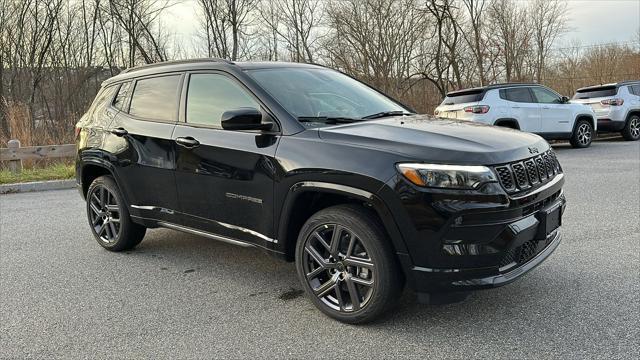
(141, 141)
(523, 107)
(225, 180)
(555, 116)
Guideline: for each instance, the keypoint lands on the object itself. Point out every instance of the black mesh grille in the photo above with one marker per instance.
(523, 253)
(506, 179)
(532, 172)
(521, 175)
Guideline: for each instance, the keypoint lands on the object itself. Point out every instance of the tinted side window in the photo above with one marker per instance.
(121, 99)
(210, 95)
(156, 98)
(519, 94)
(635, 89)
(545, 96)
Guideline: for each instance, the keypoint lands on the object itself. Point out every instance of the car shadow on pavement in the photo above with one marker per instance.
(273, 280)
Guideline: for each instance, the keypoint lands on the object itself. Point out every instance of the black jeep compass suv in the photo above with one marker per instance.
(318, 168)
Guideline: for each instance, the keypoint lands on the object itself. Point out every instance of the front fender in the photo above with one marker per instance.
(368, 197)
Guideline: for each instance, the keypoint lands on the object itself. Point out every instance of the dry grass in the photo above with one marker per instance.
(29, 132)
(53, 171)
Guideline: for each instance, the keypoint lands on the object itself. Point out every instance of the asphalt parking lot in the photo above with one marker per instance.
(181, 296)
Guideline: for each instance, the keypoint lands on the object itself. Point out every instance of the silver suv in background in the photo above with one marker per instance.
(617, 106)
(528, 107)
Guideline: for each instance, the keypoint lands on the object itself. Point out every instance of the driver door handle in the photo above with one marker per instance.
(187, 142)
(119, 131)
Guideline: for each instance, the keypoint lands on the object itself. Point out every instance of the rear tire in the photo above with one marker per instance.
(582, 135)
(347, 265)
(109, 217)
(631, 131)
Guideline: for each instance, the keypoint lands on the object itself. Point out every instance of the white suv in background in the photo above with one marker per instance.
(617, 106)
(527, 107)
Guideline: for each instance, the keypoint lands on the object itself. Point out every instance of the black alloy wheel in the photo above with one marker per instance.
(347, 265)
(338, 268)
(109, 218)
(104, 214)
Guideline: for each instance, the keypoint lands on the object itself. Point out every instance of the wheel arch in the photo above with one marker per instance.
(507, 122)
(91, 168)
(631, 113)
(306, 198)
(587, 117)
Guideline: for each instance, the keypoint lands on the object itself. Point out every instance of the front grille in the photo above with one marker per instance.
(522, 175)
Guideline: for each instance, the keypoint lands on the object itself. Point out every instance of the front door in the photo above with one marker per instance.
(225, 179)
(555, 117)
(523, 107)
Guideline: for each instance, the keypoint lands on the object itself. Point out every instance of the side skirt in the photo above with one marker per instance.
(205, 234)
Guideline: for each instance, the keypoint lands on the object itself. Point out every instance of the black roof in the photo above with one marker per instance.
(610, 85)
(198, 64)
(489, 87)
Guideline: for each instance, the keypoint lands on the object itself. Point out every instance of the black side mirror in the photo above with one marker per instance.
(244, 119)
(564, 99)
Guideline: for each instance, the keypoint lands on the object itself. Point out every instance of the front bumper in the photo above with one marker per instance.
(454, 280)
(458, 242)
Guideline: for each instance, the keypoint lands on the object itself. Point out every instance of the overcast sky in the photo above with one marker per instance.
(590, 21)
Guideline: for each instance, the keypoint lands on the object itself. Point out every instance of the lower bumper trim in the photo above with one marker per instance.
(446, 280)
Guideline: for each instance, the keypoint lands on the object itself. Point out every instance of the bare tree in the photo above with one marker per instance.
(295, 22)
(138, 18)
(375, 39)
(225, 25)
(511, 37)
(474, 35)
(548, 21)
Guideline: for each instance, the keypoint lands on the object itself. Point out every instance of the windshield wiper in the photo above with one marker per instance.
(327, 119)
(386, 113)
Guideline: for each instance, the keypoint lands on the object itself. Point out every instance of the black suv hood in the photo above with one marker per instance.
(427, 138)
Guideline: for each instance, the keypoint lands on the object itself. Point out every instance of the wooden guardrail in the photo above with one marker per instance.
(14, 154)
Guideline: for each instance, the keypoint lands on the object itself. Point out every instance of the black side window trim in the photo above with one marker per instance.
(185, 93)
(127, 100)
(178, 97)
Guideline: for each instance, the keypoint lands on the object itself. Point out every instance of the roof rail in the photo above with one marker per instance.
(175, 62)
(490, 87)
(625, 82)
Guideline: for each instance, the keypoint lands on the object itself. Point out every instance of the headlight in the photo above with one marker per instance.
(447, 176)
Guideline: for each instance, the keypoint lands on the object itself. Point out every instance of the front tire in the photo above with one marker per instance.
(582, 135)
(346, 264)
(109, 218)
(631, 131)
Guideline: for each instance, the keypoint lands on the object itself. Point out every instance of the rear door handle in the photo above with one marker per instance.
(119, 132)
(187, 142)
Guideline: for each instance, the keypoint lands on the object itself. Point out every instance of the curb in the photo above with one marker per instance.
(37, 186)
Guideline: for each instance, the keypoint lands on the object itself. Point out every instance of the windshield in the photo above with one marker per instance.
(315, 95)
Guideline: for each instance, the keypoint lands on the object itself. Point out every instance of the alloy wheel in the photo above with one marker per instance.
(634, 127)
(104, 214)
(338, 268)
(584, 134)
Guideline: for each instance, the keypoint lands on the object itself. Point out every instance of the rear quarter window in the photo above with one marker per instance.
(596, 92)
(463, 97)
(156, 98)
